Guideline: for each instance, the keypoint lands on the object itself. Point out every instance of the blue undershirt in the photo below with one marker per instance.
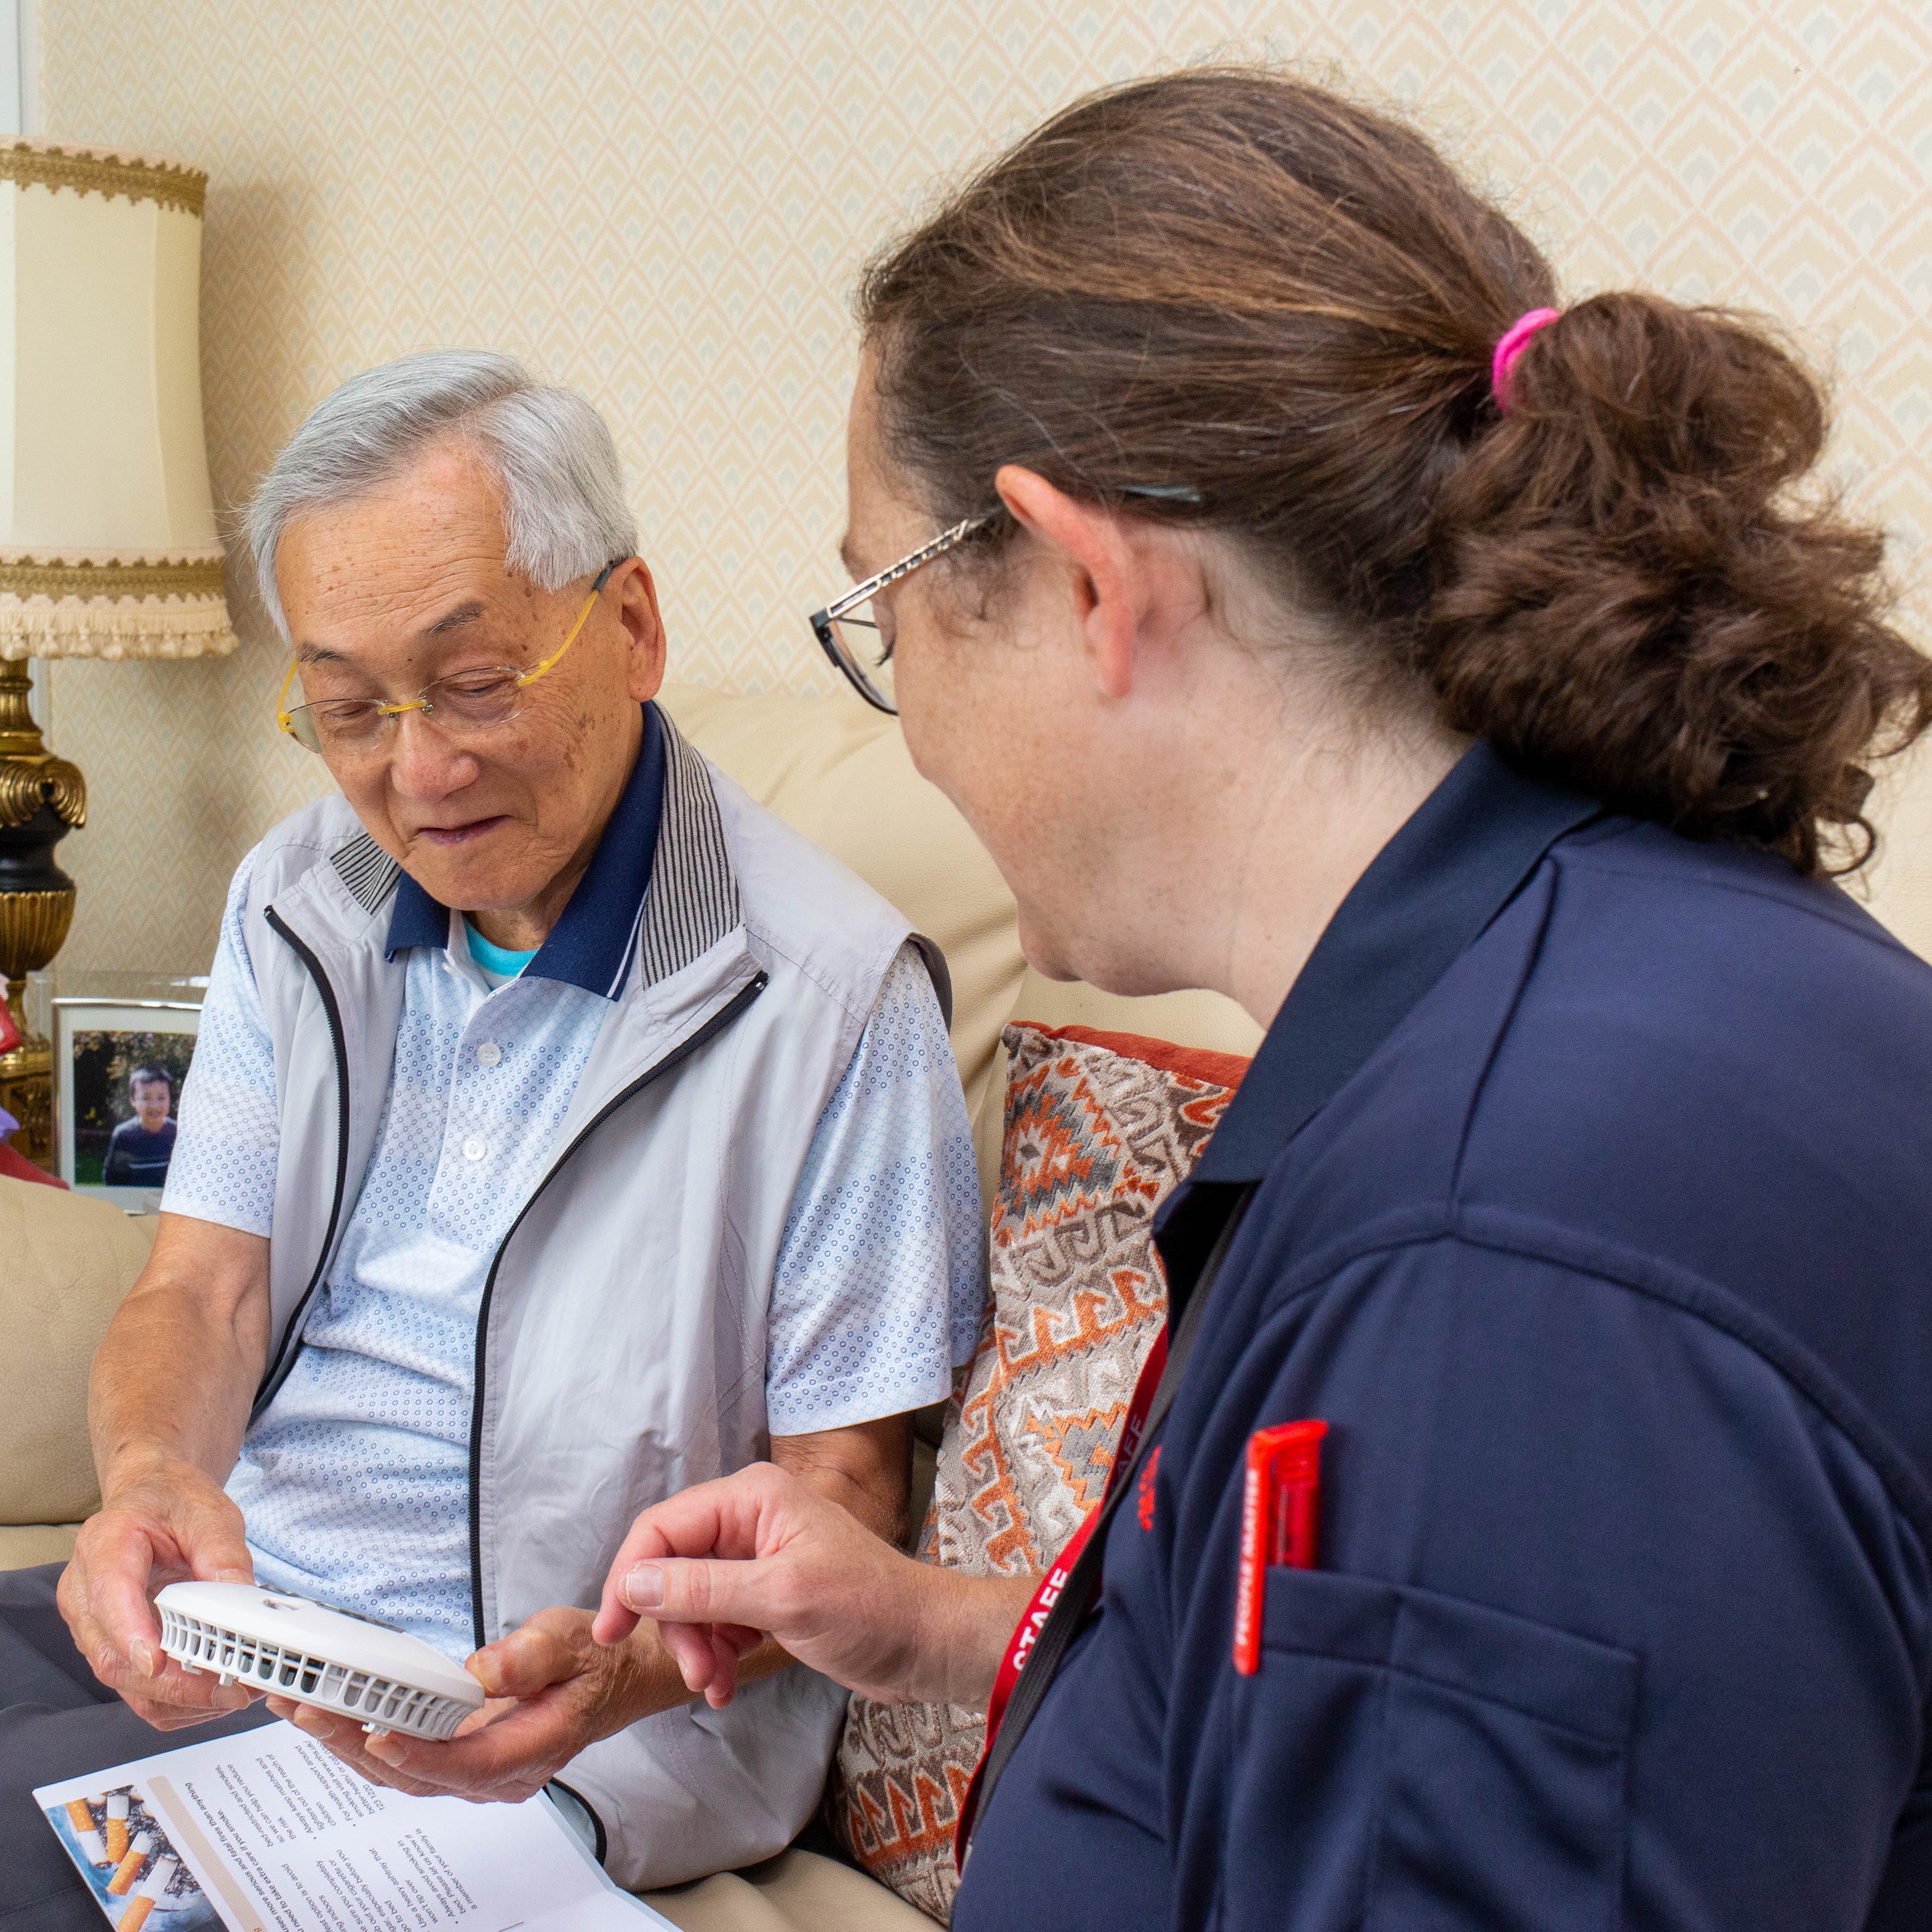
(497, 964)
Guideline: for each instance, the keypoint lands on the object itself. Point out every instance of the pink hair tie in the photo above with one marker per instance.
(1516, 337)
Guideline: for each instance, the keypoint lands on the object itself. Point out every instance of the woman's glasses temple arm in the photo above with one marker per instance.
(946, 540)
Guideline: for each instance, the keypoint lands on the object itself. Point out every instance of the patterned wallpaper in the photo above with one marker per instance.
(663, 202)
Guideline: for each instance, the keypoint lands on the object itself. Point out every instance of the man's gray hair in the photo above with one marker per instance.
(564, 512)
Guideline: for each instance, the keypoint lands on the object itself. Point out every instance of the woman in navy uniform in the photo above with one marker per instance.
(1486, 697)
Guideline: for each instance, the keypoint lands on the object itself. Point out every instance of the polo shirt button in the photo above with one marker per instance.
(473, 1149)
(488, 1054)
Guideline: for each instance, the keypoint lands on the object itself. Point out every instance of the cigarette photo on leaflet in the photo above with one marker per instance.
(135, 1875)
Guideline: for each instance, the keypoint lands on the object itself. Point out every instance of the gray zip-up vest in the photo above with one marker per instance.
(620, 1346)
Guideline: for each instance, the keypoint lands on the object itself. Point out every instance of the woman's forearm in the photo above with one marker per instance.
(966, 1623)
(761, 1552)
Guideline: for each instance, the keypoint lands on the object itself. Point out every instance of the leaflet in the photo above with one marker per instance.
(266, 1832)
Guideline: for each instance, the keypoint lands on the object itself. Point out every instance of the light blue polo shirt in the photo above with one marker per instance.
(354, 1484)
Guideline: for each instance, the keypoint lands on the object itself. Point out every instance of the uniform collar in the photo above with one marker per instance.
(1428, 895)
(592, 944)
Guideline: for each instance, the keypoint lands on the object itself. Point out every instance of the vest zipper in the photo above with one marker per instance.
(290, 1345)
(684, 1049)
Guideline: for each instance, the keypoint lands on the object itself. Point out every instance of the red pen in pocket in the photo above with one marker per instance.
(1281, 1523)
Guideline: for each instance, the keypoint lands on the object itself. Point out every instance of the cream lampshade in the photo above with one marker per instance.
(108, 545)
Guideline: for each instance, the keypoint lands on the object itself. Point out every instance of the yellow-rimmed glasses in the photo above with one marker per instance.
(470, 700)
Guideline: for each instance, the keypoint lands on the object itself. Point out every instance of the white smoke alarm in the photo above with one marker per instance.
(383, 1678)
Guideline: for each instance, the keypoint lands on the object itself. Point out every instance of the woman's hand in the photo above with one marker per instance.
(551, 1691)
(761, 1553)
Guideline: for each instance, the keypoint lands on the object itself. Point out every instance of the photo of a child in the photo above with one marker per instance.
(121, 1071)
(139, 1150)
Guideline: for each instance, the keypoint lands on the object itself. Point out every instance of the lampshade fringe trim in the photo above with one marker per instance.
(158, 627)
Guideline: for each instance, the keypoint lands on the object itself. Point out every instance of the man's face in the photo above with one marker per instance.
(387, 594)
(151, 1098)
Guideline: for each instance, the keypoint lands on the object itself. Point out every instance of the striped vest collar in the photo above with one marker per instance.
(665, 912)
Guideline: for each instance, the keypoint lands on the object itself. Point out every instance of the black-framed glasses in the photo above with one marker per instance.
(850, 633)
(848, 629)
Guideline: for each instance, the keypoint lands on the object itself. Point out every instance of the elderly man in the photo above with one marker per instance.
(562, 1131)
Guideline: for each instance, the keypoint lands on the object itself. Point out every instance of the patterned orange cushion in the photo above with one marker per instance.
(1099, 1127)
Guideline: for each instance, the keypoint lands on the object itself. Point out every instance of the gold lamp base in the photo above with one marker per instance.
(42, 798)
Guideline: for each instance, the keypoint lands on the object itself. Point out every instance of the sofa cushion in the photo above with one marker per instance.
(1099, 1128)
(69, 1261)
(26, 1546)
(796, 1891)
(1195, 1018)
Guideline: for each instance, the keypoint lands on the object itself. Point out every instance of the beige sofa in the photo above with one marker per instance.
(839, 773)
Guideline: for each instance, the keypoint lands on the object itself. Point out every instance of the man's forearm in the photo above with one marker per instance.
(175, 1374)
(864, 1468)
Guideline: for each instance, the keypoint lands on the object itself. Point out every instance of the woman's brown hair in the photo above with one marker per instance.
(1230, 299)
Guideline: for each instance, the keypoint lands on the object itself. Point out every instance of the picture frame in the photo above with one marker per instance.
(118, 1066)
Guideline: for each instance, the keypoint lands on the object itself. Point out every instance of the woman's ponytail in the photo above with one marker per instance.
(1635, 593)
(1227, 299)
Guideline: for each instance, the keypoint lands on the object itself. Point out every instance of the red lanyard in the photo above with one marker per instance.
(1020, 1645)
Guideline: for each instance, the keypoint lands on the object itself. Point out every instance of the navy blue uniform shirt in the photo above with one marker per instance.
(1594, 1215)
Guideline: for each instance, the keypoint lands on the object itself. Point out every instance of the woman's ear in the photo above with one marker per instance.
(1104, 569)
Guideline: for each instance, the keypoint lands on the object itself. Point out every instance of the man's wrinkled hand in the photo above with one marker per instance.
(551, 1692)
(172, 1525)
